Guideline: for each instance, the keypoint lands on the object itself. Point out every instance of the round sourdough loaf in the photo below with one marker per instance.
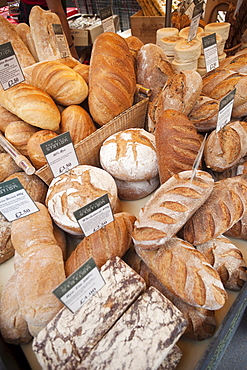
(133, 190)
(74, 189)
(130, 155)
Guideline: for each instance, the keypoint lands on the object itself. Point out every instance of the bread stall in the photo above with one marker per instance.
(173, 257)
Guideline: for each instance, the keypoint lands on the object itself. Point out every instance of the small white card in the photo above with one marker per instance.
(10, 70)
(210, 52)
(107, 19)
(80, 286)
(197, 12)
(225, 110)
(15, 202)
(94, 215)
(61, 40)
(60, 154)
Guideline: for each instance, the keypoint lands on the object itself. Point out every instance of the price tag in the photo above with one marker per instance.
(225, 110)
(60, 154)
(10, 70)
(198, 9)
(210, 52)
(198, 158)
(15, 202)
(107, 19)
(94, 215)
(80, 286)
(61, 40)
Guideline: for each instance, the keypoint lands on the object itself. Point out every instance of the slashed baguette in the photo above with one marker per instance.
(170, 207)
(187, 273)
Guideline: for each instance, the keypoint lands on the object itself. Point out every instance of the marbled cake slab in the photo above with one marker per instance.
(141, 338)
(69, 337)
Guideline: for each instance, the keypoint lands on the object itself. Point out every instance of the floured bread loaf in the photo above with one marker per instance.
(75, 189)
(133, 190)
(168, 209)
(24, 32)
(237, 63)
(130, 155)
(185, 52)
(213, 78)
(204, 114)
(239, 229)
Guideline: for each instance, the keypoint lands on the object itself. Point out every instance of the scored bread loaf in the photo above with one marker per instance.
(187, 273)
(168, 209)
(227, 260)
(239, 229)
(224, 207)
(235, 63)
(177, 141)
(35, 153)
(112, 80)
(112, 240)
(83, 71)
(133, 190)
(211, 79)
(32, 105)
(204, 114)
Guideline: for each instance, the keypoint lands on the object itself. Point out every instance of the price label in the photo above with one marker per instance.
(15, 202)
(197, 12)
(94, 215)
(225, 110)
(107, 19)
(60, 154)
(61, 41)
(10, 70)
(210, 52)
(80, 286)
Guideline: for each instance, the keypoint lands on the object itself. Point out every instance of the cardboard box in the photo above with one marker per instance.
(145, 28)
(86, 36)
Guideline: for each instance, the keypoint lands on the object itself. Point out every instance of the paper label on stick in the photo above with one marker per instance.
(60, 154)
(61, 40)
(10, 70)
(15, 202)
(94, 215)
(106, 17)
(225, 110)
(197, 11)
(80, 286)
(210, 52)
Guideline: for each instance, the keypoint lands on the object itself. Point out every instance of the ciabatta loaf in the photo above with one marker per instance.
(187, 273)
(172, 204)
(112, 80)
(224, 207)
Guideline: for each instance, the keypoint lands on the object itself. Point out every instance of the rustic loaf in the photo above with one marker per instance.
(239, 229)
(168, 209)
(133, 190)
(204, 114)
(224, 207)
(6, 248)
(186, 272)
(7, 166)
(18, 134)
(112, 80)
(6, 118)
(34, 151)
(211, 79)
(177, 141)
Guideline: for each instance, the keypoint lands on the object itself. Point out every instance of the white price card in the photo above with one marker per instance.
(106, 17)
(15, 202)
(60, 154)
(61, 40)
(80, 286)
(197, 12)
(225, 110)
(210, 52)
(94, 215)
(10, 70)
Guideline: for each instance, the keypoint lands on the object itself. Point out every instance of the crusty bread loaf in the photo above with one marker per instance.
(112, 240)
(177, 141)
(24, 32)
(78, 122)
(213, 78)
(6, 248)
(112, 80)
(133, 190)
(61, 82)
(32, 105)
(9, 34)
(7, 166)
(224, 207)
(35, 153)
(134, 44)
(152, 68)
(6, 117)
(227, 260)
(225, 148)
(237, 63)
(239, 229)
(83, 71)
(186, 273)
(168, 209)
(204, 114)
(18, 133)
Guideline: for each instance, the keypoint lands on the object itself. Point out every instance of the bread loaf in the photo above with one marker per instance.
(6, 117)
(219, 42)
(61, 82)
(168, 43)
(227, 260)
(225, 148)
(239, 229)
(153, 68)
(235, 63)
(18, 133)
(7, 166)
(6, 248)
(204, 114)
(134, 44)
(168, 209)
(78, 122)
(177, 141)
(133, 190)
(186, 273)
(224, 207)
(111, 241)
(34, 150)
(83, 71)
(32, 105)
(24, 32)
(112, 80)
(9, 34)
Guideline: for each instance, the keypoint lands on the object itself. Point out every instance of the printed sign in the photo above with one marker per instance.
(10, 70)
(225, 110)
(197, 12)
(210, 52)
(61, 40)
(106, 17)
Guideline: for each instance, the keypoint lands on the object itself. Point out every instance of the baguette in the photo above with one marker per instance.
(170, 207)
(186, 273)
(227, 260)
(224, 207)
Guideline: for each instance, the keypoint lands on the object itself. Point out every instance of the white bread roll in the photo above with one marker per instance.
(185, 51)
(165, 32)
(219, 42)
(184, 32)
(168, 43)
(222, 28)
(202, 63)
(184, 66)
